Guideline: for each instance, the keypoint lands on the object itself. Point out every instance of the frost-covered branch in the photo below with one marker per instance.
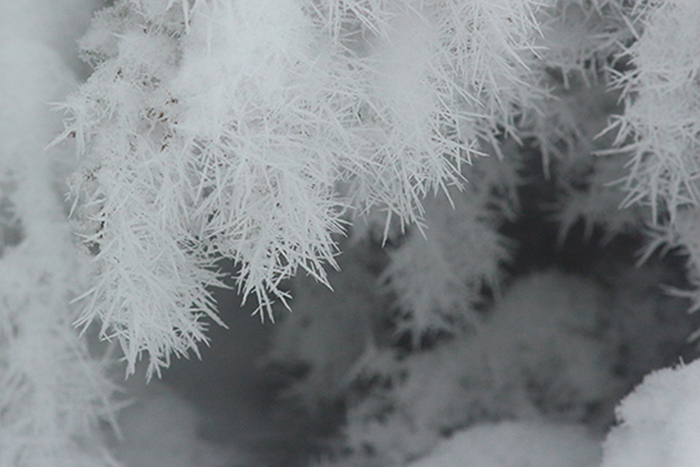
(248, 129)
(53, 393)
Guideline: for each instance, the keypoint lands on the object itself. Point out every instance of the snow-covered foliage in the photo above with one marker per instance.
(550, 349)
(580, 41)
(52, 392)
(262, 131)
(247, 129)
(134, 193)
(659, 125)
(438, 274)
(658, 129)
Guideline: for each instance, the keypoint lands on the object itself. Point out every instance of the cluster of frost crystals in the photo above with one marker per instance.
(443, 78)
(657, 132)
(248, 129)
(134, 192)
(580, 45)
(539, 355)
(438, 274)
(550, 351)
(53, 394)
(265, 137)
(661, 117)
(580, 36)
(589, 192)
(683, 234)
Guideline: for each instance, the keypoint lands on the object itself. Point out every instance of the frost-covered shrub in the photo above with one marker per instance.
(53, 394)
(248, 129)
(260, 130)
(439, 272)
(545, 350)
(658, 129)
(556, 347)
(661, 99)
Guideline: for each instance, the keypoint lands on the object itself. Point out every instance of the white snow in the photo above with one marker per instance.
(660, 422)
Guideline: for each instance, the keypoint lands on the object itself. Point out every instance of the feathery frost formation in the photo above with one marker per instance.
(659, 127)
(53, 394)
(249, 130)
(660, 120)
(260, 130)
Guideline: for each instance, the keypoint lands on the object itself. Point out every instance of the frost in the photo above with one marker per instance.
(660, 121)
(550, 350)
(539, 354)
(438, 274)
(53, 393)
(249, 130)
(261, 132)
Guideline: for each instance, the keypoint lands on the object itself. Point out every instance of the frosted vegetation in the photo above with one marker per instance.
(450, 195)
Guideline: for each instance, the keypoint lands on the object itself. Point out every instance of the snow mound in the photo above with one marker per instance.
(517, 444)
(660, 422)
